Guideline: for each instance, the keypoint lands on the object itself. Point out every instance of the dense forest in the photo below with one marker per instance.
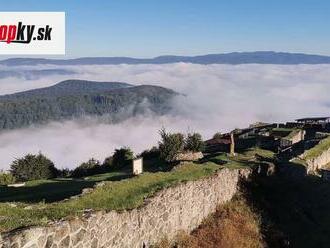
(76, 98)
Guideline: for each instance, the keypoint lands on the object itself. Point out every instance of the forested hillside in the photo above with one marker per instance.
(76, 98)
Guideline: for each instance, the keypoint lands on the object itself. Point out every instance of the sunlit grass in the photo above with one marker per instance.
(129, 193)
(318, 149)
(124, 194)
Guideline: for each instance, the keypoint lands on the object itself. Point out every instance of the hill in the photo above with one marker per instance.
(68, 87)
(76, 98)
(259, 57)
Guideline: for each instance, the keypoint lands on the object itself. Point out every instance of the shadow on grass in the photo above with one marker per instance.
(155, 164)
(236, 161)
(217, 158)
(294, 213)
(59, 189)
(55, 189)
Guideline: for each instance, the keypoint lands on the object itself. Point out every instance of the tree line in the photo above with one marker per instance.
(38, 166)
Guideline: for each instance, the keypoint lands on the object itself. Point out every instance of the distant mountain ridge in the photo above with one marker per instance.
(259, 57)
(34, 74)
(68, 87)
(72, 99)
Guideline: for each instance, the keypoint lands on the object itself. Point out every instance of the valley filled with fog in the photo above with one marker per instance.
(216, 98)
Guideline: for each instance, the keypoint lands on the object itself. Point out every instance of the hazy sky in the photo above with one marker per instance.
(147, 28)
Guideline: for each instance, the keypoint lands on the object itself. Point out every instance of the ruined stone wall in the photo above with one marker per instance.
(299, 136)
(182, 207)
(318, 162)
(189, 156)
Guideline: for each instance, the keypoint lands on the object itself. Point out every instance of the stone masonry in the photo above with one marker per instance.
(318, 162)
(182, 207)
(189, 156)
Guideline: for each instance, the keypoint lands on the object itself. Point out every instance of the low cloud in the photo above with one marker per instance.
(218, 98)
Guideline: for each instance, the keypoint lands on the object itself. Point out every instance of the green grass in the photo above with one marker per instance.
(250, 154)
(124, 194)
(54, 189)
(282, 129)
(241, 160)
(225, 161)
(318, 149)
(38, 202)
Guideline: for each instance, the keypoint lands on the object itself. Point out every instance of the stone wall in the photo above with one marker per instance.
(189, 156)
(318, 162)
(295, 137)
(182, 207)
(298, 136)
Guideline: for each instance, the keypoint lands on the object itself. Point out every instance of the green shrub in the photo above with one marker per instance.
(107, 164)
(89, 168)
(33, 167)
(217, 135)
(6, 178)
(150, 154)
(194, 142)
(122, 157)
(64, 172)
(170, 145)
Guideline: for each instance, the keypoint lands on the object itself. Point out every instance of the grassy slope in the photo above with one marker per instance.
(241, 160)
(125, 194)
(116, 195)
(54, 189)
(318, 149)
(232, 225)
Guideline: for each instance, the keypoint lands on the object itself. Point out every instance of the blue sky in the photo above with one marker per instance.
(147, 28)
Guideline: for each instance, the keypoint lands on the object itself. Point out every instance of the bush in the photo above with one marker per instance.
(64, 172)
(171, 145)
(108, 162)
(194, 142)
(89, 168)
(150, 154)
(122, 157)
(6, 178)
(33, 167)
(217, 135)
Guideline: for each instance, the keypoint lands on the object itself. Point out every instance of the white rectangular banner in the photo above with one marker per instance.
(32, 33)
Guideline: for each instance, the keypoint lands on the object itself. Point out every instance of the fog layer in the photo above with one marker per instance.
(218, 98)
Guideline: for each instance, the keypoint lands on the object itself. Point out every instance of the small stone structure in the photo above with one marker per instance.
(182, 207)
(137, 166)
(232, 144)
